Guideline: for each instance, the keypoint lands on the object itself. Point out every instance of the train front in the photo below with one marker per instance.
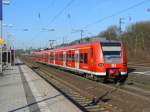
(115, 61)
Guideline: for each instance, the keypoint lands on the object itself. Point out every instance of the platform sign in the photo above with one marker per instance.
(1, 9)
(1, 59)
(1, 41)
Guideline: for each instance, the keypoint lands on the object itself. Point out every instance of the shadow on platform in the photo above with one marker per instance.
(31, 104)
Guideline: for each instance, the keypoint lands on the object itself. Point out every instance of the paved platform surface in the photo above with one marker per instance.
(22, 90)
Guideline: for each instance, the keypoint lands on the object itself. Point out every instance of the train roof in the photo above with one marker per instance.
(75, 46)
(85, 44)
(80, 45)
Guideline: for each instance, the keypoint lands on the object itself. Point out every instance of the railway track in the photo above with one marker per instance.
(138, 75)
(70, 91)
(133, 81)
(81, 91)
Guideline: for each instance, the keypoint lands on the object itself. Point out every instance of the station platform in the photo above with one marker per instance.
(22, 90)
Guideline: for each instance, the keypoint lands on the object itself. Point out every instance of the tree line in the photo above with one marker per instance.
(136, 38)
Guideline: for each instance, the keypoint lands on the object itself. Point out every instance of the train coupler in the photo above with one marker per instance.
(113, 73)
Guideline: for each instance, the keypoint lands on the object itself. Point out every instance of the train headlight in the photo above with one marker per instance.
(101, 64)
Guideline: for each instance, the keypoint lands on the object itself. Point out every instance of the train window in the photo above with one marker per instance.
(81, 57)
(72, 57)
(111, 48)
(52, 58)
(67, 57)
(46, 56)
(112, 53)
(85, 58)
(43, 56)
(56, 57)
(61, 57)
(111, 44)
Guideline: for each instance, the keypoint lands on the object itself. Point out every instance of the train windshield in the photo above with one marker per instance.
(112, 52)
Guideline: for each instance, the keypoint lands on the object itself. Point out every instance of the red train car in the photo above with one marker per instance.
(95, 59)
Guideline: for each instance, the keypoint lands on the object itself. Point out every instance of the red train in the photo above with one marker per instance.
(99, 60)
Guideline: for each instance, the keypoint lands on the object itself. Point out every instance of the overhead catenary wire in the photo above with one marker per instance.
(57, 15)
(117, 13)
(99, 20)
(60, 12)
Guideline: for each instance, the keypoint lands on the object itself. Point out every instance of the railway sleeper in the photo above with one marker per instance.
(85, 103)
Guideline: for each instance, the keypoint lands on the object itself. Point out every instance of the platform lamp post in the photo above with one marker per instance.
(5, 2)
(9, 42)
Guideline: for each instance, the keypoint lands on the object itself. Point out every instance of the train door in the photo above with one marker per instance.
(49, 54)
(77, 59)
(54, 57)
(64, 58)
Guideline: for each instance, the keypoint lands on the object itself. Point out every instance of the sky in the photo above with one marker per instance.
(29, 22)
